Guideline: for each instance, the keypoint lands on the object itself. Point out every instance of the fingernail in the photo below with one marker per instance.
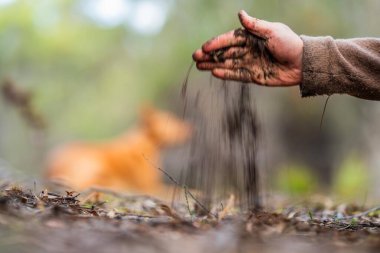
(242, 12)
(194, 57)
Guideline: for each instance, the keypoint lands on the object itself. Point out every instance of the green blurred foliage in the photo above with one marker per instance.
(351, 179)
(296, 180)
(350, 182)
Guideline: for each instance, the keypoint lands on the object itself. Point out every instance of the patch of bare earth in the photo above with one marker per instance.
(107, 222)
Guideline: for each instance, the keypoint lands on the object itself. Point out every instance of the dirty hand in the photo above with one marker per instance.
(263, 52)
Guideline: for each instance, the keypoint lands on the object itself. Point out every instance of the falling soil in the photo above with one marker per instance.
(223, 152)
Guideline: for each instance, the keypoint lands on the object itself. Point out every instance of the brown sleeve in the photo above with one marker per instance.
(341, 66)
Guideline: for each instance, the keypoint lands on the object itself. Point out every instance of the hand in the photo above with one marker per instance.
(263, 52)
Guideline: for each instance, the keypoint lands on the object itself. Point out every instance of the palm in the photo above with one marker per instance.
(264, 53)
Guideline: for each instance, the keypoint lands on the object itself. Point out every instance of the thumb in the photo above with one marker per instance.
(260, 28)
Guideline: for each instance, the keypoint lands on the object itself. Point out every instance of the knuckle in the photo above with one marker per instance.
(227, 75)
(243, 75)
(280, 25)
(235, 63)
(204, 65)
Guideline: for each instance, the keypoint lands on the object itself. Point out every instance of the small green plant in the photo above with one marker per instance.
(310, 214)
(354, 222)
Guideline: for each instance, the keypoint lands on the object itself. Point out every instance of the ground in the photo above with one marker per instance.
(44, 221)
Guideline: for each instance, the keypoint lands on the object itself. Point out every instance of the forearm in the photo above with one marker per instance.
(341, 66)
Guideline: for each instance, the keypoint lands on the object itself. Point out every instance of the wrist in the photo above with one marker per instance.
(298, 68)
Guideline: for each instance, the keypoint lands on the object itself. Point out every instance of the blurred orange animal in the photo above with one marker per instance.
(124, 163)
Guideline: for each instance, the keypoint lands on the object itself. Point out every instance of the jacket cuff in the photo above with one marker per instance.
(315, 66)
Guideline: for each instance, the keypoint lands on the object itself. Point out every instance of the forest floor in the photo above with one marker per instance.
(110, 222)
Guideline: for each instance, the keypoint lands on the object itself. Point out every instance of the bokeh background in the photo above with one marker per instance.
(91, 64)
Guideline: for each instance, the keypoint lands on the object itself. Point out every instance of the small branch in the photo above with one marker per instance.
(169, 176)
(187, 202)
(375, 209)
(323, 113)
(182, 186)
(197, 201)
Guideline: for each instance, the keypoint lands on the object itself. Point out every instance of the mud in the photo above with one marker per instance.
(252, 52)
(259, 51)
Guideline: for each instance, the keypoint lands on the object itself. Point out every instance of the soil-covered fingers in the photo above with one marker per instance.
(227, 64)
(241, 74)
(220, 56)
(200, 56)
(260, 28)
(234, 53)
(226, 40)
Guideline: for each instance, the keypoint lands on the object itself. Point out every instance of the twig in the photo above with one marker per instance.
(198, 202)
(351, 217)
(168, 176)
(323, 113)
(187, 202)
(140, 215)
(375, 209)
(182, 186)
(186, 192)
(54, 194)
(185, 82)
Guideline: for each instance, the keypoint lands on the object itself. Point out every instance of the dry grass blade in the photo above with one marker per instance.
(170, 212)
(227, 208)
